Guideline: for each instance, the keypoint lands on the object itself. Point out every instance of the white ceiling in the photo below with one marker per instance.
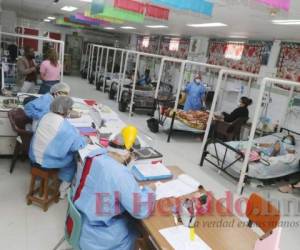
(243, 17)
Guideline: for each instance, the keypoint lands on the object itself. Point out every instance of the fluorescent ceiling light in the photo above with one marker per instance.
(239, 42)
(156, 26)
(127, 28)
(109, 28)
(86, 1)
(238, 36)
(51, 17)
(69, 8)
(200, 25)
(286, 22)
(47, 20)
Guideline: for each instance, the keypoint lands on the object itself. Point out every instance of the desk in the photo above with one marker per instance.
(229, 238)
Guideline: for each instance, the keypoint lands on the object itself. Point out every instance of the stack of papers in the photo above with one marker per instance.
(83, 153)
(84, 121)
(183, 185)
(87, 131)
(147, 172)
(179, 238)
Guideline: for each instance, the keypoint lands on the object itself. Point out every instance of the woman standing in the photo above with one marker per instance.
(50, 72)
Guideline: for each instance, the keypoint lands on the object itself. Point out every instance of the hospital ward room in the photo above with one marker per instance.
(150, 125)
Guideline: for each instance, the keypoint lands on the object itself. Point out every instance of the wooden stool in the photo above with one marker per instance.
(48, 189)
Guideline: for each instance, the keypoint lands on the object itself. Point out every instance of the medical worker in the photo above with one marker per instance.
(37, 108)
(146, 79)
(56, 141)
(109, 198)
(195, 92)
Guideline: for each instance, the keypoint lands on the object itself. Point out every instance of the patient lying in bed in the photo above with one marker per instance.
(279, 148)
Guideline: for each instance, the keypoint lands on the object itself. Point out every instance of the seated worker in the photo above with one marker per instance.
(38, 107)
(241, 111)
(146, 79)
(109, 198)
(56, 141)
(283, 147)
(195, 93)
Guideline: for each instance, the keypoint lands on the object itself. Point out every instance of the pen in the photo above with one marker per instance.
(174, 215)
(175, 219)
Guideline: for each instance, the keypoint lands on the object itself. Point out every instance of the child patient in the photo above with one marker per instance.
(283, 147)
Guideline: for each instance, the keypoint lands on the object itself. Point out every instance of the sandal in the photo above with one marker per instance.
(288, 189)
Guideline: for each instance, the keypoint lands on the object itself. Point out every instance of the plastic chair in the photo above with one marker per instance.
(18, 121)
(262, 213)
(72, 226)
(229, 131)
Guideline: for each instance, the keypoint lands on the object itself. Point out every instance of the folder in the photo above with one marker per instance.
(151, 172)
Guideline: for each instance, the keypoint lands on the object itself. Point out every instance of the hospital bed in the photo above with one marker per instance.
(144, 96)
(228, 158)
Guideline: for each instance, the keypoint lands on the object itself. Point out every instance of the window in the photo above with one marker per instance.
(145, 42)
(174, 44)
(234, 51)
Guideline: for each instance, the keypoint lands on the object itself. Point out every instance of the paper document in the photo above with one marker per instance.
(83, 153)
(151, 170)
(183, 185)
(179, 238)
(83, 121)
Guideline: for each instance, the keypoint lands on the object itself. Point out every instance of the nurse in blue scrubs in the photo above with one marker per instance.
(56, 141)
(195, 92)
(38, 107)
(109, 199)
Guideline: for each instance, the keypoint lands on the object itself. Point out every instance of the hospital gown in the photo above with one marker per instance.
(283, 149)
(109, 198)
(54, 145)
(195, 93)
(37, 108)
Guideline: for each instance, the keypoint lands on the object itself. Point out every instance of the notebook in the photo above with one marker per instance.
(179, 238)
(183, 185)
(148, 172)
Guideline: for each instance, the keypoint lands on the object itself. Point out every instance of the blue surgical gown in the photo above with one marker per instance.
(195, 93)
(37, 108)
(54, 145)
(107, 202)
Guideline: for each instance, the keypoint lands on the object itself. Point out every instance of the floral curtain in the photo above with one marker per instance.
(183, 48)
(288, 65)
(249, 60)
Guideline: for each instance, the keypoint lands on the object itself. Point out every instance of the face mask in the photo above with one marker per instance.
(197, 80)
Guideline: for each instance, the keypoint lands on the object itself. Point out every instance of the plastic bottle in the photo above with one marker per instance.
(276, 126)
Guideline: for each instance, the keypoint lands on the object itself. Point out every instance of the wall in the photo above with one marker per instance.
(8, 20)
(88, 35)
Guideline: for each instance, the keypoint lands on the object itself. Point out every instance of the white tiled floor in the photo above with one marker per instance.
(25, 227)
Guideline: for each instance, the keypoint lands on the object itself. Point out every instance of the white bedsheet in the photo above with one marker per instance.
(279, 166)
